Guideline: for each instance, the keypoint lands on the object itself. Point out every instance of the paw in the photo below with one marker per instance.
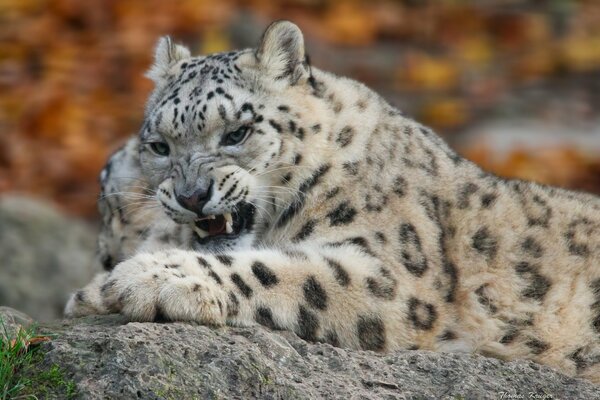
(165, 286)
(87, 301)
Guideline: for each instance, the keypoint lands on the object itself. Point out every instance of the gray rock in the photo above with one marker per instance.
(12, 321)
(110, 359)
(44, 256)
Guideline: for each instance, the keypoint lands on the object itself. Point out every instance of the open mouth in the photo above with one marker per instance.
(213, 225)
(225, 226)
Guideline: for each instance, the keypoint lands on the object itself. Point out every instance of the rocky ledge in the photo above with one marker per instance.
(106, 357)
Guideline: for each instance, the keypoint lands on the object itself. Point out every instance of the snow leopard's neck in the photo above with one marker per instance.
(364, 128)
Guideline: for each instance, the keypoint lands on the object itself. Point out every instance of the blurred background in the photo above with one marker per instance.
(513, 85)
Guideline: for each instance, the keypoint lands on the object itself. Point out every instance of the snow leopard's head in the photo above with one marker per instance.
(223, 132)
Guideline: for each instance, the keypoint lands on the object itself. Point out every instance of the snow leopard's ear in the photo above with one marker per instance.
(281, 53)
(166, 55)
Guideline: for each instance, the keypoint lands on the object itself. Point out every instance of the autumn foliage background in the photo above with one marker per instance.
(513, 85)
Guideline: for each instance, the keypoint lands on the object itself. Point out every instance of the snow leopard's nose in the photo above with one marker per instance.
(197, 200)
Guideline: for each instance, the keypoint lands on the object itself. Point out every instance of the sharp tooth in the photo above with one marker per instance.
(201, 232)
(211, 217)
(228, 223)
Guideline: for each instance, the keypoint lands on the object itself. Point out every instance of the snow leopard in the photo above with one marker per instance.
(262, 190)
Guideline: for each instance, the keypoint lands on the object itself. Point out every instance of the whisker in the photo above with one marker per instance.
(133, 178)
(137, 202)
(279, 188)
(133, 196)
(259, 207)
(267, 200)
(276, 194)
(268, 171)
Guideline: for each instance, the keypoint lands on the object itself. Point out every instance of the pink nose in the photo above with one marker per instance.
(196, 201)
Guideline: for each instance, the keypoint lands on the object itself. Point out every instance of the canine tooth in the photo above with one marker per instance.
(201, 232)
(228, 227)
(211, 217)
(228, 218)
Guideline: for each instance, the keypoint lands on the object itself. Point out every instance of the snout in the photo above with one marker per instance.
(217, 207)
(196, 202)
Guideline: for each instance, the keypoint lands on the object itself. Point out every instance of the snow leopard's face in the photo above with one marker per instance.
(213, 140)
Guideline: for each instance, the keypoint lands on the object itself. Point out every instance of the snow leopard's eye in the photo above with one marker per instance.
(160, 148)
(235, 137)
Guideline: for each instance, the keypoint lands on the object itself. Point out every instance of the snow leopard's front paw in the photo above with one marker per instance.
(165, 286)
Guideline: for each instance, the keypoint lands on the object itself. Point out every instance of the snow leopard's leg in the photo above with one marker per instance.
(337, 295)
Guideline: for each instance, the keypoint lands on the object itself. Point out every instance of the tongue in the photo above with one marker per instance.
(216, 226)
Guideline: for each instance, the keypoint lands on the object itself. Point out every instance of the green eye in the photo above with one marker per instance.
(160, 148)
(235, 137)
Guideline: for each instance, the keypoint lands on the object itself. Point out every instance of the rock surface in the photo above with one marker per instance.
(44, 256)
(110, 359)
(12, 321)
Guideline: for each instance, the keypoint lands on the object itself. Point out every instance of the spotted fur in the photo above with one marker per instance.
(362, 228)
